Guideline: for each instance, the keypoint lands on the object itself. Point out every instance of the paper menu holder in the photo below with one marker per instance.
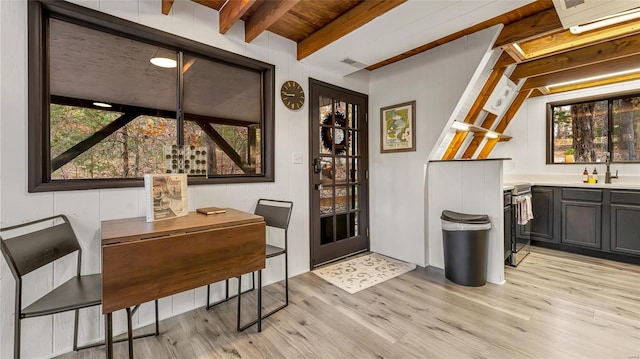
(211, 210)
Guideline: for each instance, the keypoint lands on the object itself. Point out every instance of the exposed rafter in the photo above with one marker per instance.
(565, 40)
(530, 27)
(581, 57)
(344, 24)
(166, 6)
(232, 11)
(594, 83)
(598, 69)
(265, 16)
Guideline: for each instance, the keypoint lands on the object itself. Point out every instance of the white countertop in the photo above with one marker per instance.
(628, 182)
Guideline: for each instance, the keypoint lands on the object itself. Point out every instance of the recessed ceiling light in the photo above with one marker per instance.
(102, 104)
(164, 62)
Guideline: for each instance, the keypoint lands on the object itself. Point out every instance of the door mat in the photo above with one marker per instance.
(363, 272)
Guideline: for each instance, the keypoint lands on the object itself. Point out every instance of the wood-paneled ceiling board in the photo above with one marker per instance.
(344, 24)
(507, 18)
(594, 54)
(266, 15)
(309, 16)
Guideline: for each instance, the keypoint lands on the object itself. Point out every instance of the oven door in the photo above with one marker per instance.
(509, 233)
(521, 239)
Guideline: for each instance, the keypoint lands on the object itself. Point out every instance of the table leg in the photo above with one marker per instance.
(108, 336)
(259, 301)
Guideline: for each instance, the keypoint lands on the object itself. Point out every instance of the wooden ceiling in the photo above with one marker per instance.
(533, 36)
(538, 54)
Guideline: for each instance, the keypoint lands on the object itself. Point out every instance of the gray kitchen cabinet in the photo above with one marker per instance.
(581, 224)
(625, 222)
(581, 217)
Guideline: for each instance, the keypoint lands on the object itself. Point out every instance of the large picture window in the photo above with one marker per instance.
(109, 99)
(595, 130)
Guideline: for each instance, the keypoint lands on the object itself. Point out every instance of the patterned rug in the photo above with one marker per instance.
(363, 272)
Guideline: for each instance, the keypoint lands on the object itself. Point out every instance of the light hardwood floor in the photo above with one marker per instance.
(554, 305)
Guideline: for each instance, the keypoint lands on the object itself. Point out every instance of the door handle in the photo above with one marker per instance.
(317, 167)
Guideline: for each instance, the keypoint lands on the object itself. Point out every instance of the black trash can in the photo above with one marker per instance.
(466, 246)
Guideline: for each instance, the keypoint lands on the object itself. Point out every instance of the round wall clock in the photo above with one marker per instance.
(292, 95)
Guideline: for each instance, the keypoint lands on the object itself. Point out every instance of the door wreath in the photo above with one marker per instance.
(338, 144)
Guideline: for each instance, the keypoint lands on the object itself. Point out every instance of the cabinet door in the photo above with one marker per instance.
(542, 206)
(581, 224)
(625, 229)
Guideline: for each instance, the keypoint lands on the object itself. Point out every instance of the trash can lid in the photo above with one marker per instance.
(456, 217)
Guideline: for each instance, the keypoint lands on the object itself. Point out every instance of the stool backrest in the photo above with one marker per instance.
(276, 213)
(28, 252)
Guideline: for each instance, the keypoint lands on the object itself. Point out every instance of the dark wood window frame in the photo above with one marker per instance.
(39, 179)
(610, 126)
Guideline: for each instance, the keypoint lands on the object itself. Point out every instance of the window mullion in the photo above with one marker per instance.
(179, 100)
(610, 121)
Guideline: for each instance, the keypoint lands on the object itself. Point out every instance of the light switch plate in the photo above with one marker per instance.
(296, 158)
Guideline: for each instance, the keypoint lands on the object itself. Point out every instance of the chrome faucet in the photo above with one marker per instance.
(607, 175)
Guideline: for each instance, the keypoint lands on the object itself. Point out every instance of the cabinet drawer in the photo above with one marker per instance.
(625, 197)
(592, 195)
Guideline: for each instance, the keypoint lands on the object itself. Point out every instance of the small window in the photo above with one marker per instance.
(102, 114)
(590, 131)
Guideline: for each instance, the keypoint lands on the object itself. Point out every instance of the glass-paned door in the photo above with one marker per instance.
(339, 186)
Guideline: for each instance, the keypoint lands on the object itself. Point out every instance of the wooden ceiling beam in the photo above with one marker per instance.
(504, 60)
(166, 6)
(565, 40)
(345, 24)
(602, 82)
(598, 69)
(265, 16)
(232, 11)
(605, 51)
(536, 25)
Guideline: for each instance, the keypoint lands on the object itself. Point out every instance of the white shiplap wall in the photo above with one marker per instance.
(49, 336)
(436, 79)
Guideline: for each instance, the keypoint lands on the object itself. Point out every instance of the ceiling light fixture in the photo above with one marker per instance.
(606, 21)
(460, 126)
(164, 62)
(594, 78)
(102, 104)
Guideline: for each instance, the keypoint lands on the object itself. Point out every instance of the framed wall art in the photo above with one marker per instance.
(397, 127)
